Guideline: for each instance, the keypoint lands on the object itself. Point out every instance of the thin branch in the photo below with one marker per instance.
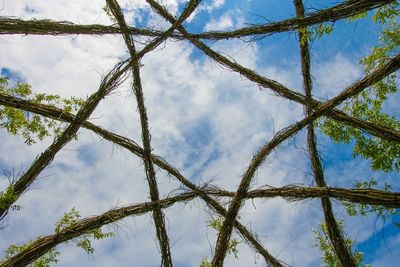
(340, 11)
(360, 196)
(49, 27)
(335, 234)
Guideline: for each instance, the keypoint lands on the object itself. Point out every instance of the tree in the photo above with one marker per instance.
(355, 115)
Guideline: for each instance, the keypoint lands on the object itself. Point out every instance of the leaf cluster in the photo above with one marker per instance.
(44, 261)
(32, 127)
(329, 258)
(364, 209)
(368, 105)
(7, 196)
(51, 256)
(216, 224)
(83, 241)
(316, 32)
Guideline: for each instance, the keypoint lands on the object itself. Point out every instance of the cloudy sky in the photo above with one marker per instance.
(204, 119)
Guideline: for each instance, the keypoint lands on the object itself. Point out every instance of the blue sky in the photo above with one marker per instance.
(205, 120)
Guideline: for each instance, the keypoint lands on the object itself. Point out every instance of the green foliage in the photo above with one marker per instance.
(49, 257)
(329, 258)
(31, 126)
(322, 29)
(83, 241)
(364, 209)
(316, 32)
(368, 105)
(216, 224)
(387, 13)
(68, 219)
(384, 155)
(7, 197)
(205, 262)
(109, 13)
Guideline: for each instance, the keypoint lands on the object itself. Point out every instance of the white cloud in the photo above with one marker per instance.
(208, 7)
(333, 75)
(223, 23)
(77, 11)
(215, 4)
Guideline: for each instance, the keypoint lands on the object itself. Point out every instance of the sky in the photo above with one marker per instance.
(204, 119)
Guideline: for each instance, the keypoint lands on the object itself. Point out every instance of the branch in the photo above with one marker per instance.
(359, 196)
(335, 234)
(43, 244)
(48, 27)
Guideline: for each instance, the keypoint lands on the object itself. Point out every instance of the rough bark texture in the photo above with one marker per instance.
(334, 233)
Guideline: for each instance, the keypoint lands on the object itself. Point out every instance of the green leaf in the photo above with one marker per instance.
(381, 212)
(45, 260)
(72, 217)
(7, 196)
(368, 105)
(216, 224)
(205, 262)
(329, 258)
(33, 127)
